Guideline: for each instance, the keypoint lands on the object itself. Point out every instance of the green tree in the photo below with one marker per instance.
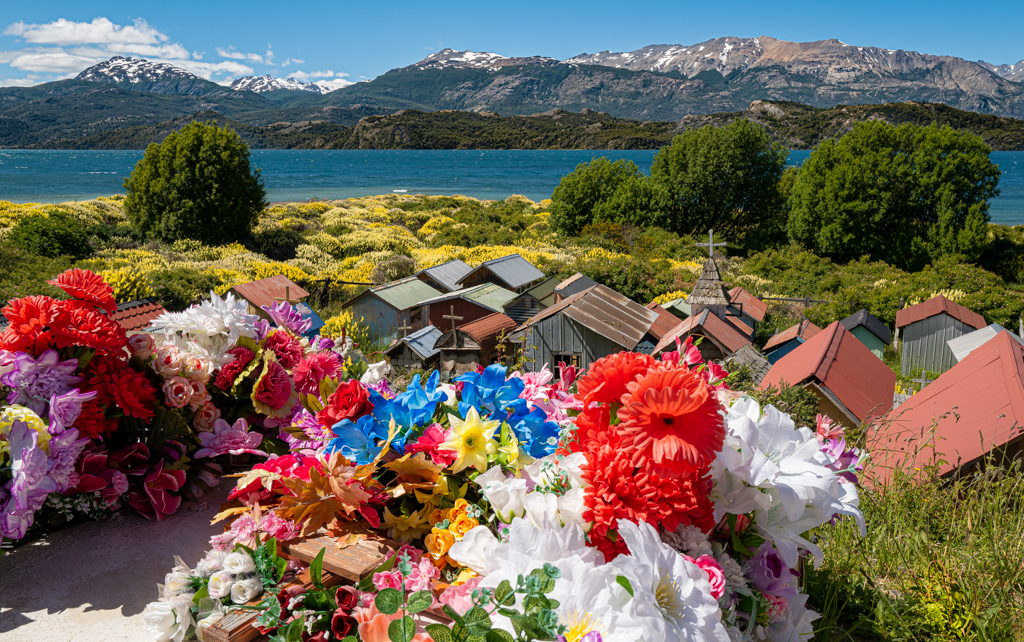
(55, 234)
(579, 193)
(196, 184)
(636, 201)
(904, 195)
(726, 178)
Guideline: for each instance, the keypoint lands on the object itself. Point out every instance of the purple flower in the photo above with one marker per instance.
(323, 344)
(35, 381)
(262, 329)
(769, 574)
(228, 439)
(65, 408)
(284, 315)
(383, 389)
(845, 463)
(29, 483)
(64, 451)
(316, 435)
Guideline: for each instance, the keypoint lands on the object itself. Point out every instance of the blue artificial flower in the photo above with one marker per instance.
(537, 436)
(357, 441)
(489, 391)
(412, 409)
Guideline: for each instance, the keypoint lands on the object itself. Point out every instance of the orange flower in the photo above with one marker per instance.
(438, 542)
(670, 421)
(437, 516)
(608, 377)
(462, 525)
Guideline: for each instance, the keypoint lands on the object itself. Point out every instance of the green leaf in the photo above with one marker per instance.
(388, 601)
(452, 614)
(350, 638)
(290, 633)
(366, 584)
(497, 635)
(200, 594)
(478, 622)
(440, 633)
(316, 569)
(624, 582)
(396, 632)
(420, 601)
(504, 595)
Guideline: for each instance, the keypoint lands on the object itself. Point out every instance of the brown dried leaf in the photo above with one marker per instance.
(415, 469)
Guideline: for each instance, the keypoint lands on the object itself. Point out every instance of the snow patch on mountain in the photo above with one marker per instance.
(452, 59)
(133, 70)
(263, 84)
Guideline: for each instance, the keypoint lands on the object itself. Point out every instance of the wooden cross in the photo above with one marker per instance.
(453, 318)
(287, 296)
(405, 327)
(923, 380)
(711, 245)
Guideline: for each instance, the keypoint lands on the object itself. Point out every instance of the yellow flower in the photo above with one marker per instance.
(404, 528)
(464, 576)
(11, 414)
(472, 440)
(437, 543)
(462, 525)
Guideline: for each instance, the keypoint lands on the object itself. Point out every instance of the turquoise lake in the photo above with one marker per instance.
(297, 175)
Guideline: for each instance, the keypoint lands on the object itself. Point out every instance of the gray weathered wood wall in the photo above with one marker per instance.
(559, 334)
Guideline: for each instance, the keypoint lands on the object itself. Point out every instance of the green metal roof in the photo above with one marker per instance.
(491, 296)
(404, 294)
(544, 290)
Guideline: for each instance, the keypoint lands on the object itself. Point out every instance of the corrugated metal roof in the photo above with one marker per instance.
(665, 322)
(968, 343)
(727, 334)
(448, 274)
(401, 295)
(136, 315)
(803, 330)
(266, 292)
(544, 291)
(488, 327)
(839, 362)
(678, 307)
(421, 342)
(493, 297)
(513, 270)
(938, 305)
(752, 306)
(866, 319)
(574, 285)
(987, 391)
(606, 312)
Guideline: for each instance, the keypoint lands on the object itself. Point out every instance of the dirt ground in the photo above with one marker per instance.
(91, 581)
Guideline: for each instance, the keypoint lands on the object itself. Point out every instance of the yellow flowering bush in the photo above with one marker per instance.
(128, 283)
(345, 323)
(327, 244)
(671, 296)
(435, 225)
(264, 269)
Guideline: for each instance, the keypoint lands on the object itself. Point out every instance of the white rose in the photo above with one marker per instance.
(246, 590)
(571, 507)
(542, 509)
(239, 563)
(176, 582)
(206, 623)
(220, 584)
(213, 562)
(505, 495)
(168, 620)
(473, 549)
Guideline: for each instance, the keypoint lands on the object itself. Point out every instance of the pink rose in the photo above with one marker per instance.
(196, 369)
(389, 579)
(715, 575)
(460, 597)
(206, 416)
(200, 394)
(141, 345)
(177, 392)
(168, 361)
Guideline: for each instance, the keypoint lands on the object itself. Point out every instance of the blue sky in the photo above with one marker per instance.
(345, 41)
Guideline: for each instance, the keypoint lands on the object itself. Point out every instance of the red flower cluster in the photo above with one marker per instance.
(275, 387)
(285, 346)
(313, 369)
(349, 401)
(227, 375)
(286, 466)
(649, 460)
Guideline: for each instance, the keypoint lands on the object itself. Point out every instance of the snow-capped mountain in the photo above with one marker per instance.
(139, 74)
(452, 59)
(1013, 72)
(263, 84)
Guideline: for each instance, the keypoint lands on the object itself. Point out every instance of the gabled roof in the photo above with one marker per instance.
(866, 319)
(401, 295)
(975, 405)
(665, 322)
(136, 315)
(544, 291)
(574, 285)
(938, 305)
(753, 307)
(722, 331)
(803, 330)
(513, 270)
(839, 362)
(421, 342)
(493, 297)
(448, 274)
(967, 343)
(604, 311)
(708, 289)
(268, 291)
(479, 335)
(750, 356)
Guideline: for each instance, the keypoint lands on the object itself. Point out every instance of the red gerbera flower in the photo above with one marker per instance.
(230, 371)
(670, 421)
(30, 319)
(619, 491)
(275, 387)
(312, 369)
(286, 347)
(133, 393)
(88, 287)
(93, 421)
(85, 327)
(606, 380)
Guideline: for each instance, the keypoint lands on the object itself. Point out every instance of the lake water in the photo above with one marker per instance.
(297, 175)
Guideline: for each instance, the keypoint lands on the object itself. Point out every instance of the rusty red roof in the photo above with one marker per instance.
(804, 330)
(839, 362)
(729, 335)
(136, 315)
(488, 326)
(938, 305)
(973, 406)
(754, 307)
(269, 290)
(664, 323)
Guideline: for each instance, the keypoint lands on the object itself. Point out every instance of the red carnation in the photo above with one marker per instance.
(230, 371)
(93, 421)
(133, 393)
(98, 376)
(275, 387)
(85, 327)
(349, 401)
(286, 347)
(593, 430)
(88, 287)
(608, 377)
(315, 368)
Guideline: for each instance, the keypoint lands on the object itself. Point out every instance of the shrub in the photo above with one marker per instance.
(276, 242)
(579, 193)
(53, 235)
(393, 268)
(196, 184)
(129, 284)
(178, 287)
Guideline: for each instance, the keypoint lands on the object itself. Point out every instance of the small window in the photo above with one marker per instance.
(414, 315)
(568, 358)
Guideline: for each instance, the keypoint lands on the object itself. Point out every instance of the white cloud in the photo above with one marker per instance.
(289, 61)
(19, 82)
(175, 51)
(305, 76)
(269, 56)
(209, 69)
(100, 31)
(231, 53)
(48, 60)
(334, 83)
